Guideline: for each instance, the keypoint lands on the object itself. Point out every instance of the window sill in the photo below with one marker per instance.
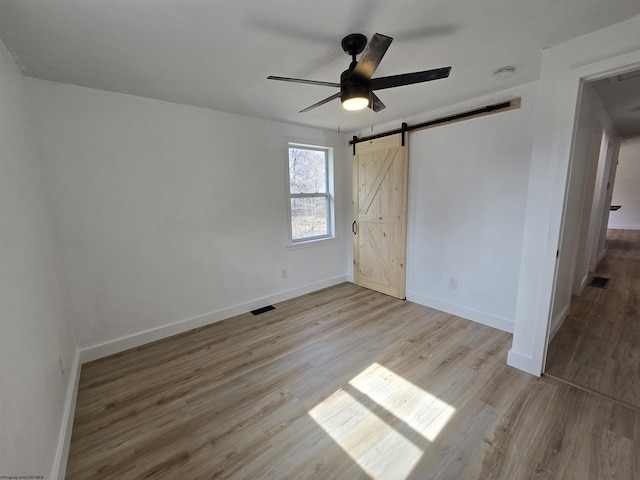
(312, 243)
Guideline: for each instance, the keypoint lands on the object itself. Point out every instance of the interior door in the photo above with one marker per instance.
(380, 210)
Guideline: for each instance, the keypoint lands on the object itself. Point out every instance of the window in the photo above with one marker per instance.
(310, 195)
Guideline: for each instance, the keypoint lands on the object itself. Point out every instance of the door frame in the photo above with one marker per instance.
(556, 121)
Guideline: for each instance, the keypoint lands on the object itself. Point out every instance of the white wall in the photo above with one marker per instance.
(626, 191)
(467, 199)
(172, 214)
(610, 175)
(593, 56)
(34, 331)
(599, 210)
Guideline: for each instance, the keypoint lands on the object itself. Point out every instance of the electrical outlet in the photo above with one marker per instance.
(61, 366)
(453, 283)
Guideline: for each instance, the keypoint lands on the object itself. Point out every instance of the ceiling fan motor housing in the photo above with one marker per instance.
(352, 86)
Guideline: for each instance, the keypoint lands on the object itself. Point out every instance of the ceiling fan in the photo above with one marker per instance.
(356, 85)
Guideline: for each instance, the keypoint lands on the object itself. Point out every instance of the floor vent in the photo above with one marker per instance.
(599, 282)
(263, 309)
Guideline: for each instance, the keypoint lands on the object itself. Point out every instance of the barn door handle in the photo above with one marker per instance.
(353, 227)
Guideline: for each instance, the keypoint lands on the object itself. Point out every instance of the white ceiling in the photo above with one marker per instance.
(218, 53)
(620, 95)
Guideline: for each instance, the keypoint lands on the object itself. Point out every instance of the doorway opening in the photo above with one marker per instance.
(594, 335)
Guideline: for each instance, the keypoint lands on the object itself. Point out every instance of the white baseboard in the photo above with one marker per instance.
(59, 470)
(477, 316)
(623, 227)
(523, 362)
(137, 339)
(557, 321)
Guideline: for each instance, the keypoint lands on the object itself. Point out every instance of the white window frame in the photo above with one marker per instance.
(329, 195)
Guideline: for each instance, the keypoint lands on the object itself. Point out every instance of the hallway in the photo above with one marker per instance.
(598, 346)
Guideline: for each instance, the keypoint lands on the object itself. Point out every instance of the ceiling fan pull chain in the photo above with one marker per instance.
(371, 109)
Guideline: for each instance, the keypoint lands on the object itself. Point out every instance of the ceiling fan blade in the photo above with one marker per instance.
(377, 103)
(371, 57)
(301, 80)
(321, 102)
(409, 78)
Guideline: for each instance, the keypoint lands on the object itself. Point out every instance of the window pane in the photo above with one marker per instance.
(307, 170)
(308, 217)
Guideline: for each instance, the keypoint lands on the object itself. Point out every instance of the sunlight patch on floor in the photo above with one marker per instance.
(383, 421)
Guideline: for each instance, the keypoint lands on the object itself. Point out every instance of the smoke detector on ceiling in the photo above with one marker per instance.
(504, 72)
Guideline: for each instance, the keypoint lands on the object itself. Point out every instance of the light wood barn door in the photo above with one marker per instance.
(380, 211)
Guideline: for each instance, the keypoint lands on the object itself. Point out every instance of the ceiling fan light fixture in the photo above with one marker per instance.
(355, 97)
(355, 103)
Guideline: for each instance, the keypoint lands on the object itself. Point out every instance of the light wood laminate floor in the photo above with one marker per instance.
(598, 345)
(344, 383)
